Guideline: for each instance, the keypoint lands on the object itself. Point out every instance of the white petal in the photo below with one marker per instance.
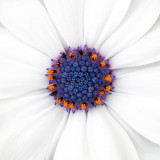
(142, 81)
(141, 16)
(101, 18)
(146, 149)
(106, 139)
(31, 122)
(28, 20)
(145, 51)
(68, 19)
(18, 79)
(14, 49)
(139, 112)
(73, 142)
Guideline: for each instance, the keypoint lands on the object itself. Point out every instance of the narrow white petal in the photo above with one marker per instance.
(139, 112)
(101, 18)
(18, 79)
(31, 122)
(145, 51)
(146, 149)
(13, 49)
(141, 16)
(28, 20)
(106, 139)
(68, 19)
(73, 142)
(142, 81)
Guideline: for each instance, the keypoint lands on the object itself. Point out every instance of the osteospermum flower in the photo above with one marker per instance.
(98, 98)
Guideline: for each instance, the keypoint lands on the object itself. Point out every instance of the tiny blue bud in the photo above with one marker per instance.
(81, 63)
(88, 63)
(70, 87)
(94, 80)
(73, 97)
(70, 63)
(66, 96)
(84, 92)
(63, 80)
(89, 95)
(75, 64)
(94, 65)
(75, 90)
(78, 69)
(79, 95)
(85, 98)
(90, 89)
(90, 69)
(84, 68)
(68, 69)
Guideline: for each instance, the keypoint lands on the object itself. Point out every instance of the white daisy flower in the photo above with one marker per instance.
(101, 98)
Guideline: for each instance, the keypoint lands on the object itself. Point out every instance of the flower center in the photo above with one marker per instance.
(80, 78)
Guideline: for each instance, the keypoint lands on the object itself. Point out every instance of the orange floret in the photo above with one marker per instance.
(101, 93)
(50, 77)
(98, 100)
(50, 71)
(51, 87)
(108, 88)
(83, 106)
(65, 103)
(108, 78)
(71, 105)
(94, 57)
(103, 63)
(58, 100)
(71, 54)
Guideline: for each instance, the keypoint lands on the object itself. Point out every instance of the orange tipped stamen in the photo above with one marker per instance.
(65, 103)
(58, 63)
(71, 105)
(98, 100)
(55, 71)
(108, 78)
(71, 54)
(50, 77)
(83, 106)
(108, 88)
(94, 57)
(58, 100)
(101, 93)
(51, 87)
(50, 71)
(103, 63)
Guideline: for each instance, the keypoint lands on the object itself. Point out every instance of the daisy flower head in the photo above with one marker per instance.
(80, 79)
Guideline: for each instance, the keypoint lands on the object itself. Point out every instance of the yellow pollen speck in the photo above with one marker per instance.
(65, 103)
(94, 57)
(102, 63)
(98, 101)
(50, 71)
(71, 105)
(83, 106)
(108, 78)
(108, 88)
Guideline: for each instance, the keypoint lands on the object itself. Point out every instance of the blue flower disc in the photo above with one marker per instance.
(80, 78)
